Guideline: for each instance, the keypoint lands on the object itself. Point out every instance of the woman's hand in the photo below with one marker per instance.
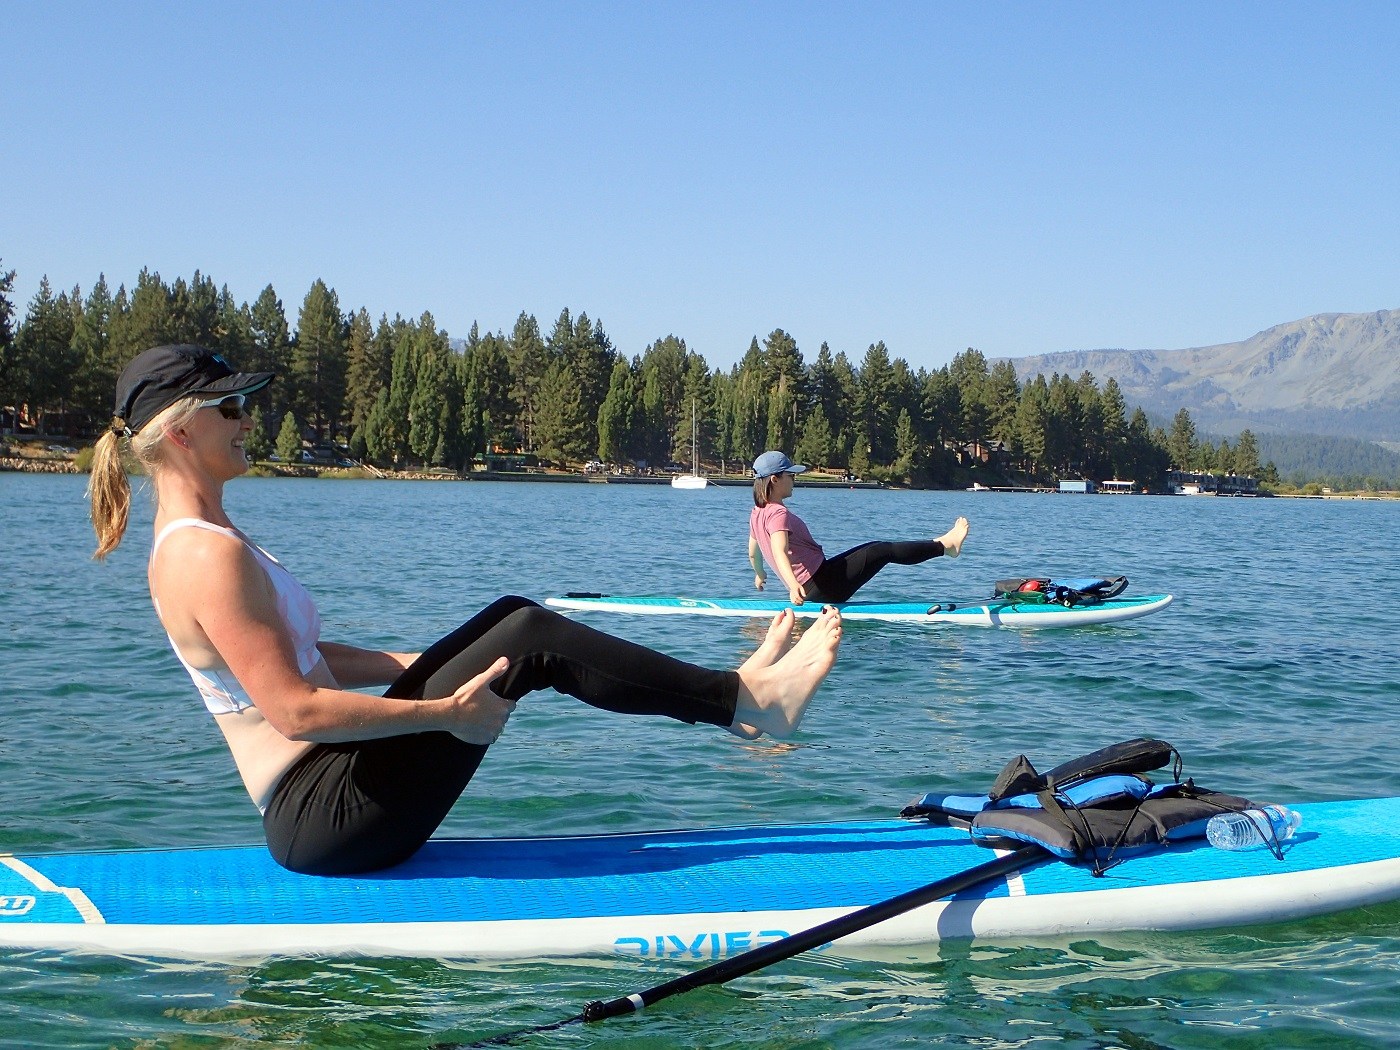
(797, 594)
(756, 560)
(475, 713)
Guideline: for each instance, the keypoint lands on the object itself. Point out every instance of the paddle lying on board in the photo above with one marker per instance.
(787, 947)
(1102, 822)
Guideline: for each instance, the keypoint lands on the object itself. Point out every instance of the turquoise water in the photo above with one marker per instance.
(1275, 674)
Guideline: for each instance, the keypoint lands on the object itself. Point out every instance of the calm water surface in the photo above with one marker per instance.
(1275, 673)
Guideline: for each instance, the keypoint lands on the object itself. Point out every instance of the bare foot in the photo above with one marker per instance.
(952, 540)
(773, 698)
(775, 643)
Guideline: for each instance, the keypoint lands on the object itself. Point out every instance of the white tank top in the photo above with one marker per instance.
(221, 691)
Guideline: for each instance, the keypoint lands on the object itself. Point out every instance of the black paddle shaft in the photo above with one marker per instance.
(795, 944)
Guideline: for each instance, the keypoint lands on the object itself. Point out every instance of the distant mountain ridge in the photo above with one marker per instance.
(1334, 374)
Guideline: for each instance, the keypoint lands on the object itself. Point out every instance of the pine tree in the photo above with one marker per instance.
(570, 393)
(875, 403)
(377, 435)
(271, 350)
(969, 374)
(824, 390)
(318, 360)
(592, 358)
(748, 409)
(1147, 451)
(662, 390)
(1032, 425)
(428, 351)
(256, 444)
(492, 403)
(1247, 455)
(695, 400)
(1113, 421)
(365, 373)
(906, 445)
(193, 311)
(843, 417)
(860, 454)
(43, 354)
(1181, 443)
(615, 416)
(814, 446)
(148, 322)
(787, 397)
(95, 377)
(942, 408)
(1003, 395)
(1093, 454)
(529, 359)
(781, 430)
(403, 380)
(289, 440)
(1063, 427)
(559, 430)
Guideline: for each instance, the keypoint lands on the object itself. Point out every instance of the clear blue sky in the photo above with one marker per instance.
(1018, 177)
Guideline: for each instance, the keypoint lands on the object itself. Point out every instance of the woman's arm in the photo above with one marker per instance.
(797, 594)
(215, 585)
(756, 560)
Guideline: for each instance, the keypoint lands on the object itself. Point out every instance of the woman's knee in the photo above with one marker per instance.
(505, 606)
(531, 624)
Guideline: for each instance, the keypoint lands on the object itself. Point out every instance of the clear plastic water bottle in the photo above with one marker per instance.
(1251, 827)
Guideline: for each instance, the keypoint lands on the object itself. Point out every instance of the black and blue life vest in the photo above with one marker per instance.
(1099, 809)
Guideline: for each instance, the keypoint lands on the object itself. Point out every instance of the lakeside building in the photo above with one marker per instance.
(1204, 483)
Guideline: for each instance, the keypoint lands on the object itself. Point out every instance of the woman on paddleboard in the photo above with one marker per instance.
(351, 781)
(781, 538)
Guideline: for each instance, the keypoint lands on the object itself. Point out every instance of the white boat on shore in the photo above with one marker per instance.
(693, 480)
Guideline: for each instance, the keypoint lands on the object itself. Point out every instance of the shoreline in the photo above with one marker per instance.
(34, 465)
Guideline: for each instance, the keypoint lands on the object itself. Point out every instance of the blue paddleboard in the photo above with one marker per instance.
(693, 895)
(990, 613)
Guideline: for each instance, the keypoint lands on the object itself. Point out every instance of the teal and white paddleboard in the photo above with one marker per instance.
(685, 895)
(990, 613)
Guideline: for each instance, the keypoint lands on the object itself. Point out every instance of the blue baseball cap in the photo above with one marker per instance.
(770, 463)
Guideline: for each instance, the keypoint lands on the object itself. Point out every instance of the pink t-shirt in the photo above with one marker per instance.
(804, 553)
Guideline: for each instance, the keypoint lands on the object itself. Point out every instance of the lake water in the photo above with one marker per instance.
(1275, 673)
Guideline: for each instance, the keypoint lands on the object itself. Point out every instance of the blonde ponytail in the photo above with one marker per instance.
(108, 488)
(110, 494)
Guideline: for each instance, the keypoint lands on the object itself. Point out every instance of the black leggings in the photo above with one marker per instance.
(364, 805)
(836, 579)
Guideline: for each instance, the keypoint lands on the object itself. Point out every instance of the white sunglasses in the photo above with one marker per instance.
(230, 406)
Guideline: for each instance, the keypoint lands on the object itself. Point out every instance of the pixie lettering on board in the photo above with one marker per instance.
(715, 944)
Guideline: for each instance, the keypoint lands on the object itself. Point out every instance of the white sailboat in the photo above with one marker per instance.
(693, 480)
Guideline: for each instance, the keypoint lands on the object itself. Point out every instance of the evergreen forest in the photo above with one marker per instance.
(399, 393)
